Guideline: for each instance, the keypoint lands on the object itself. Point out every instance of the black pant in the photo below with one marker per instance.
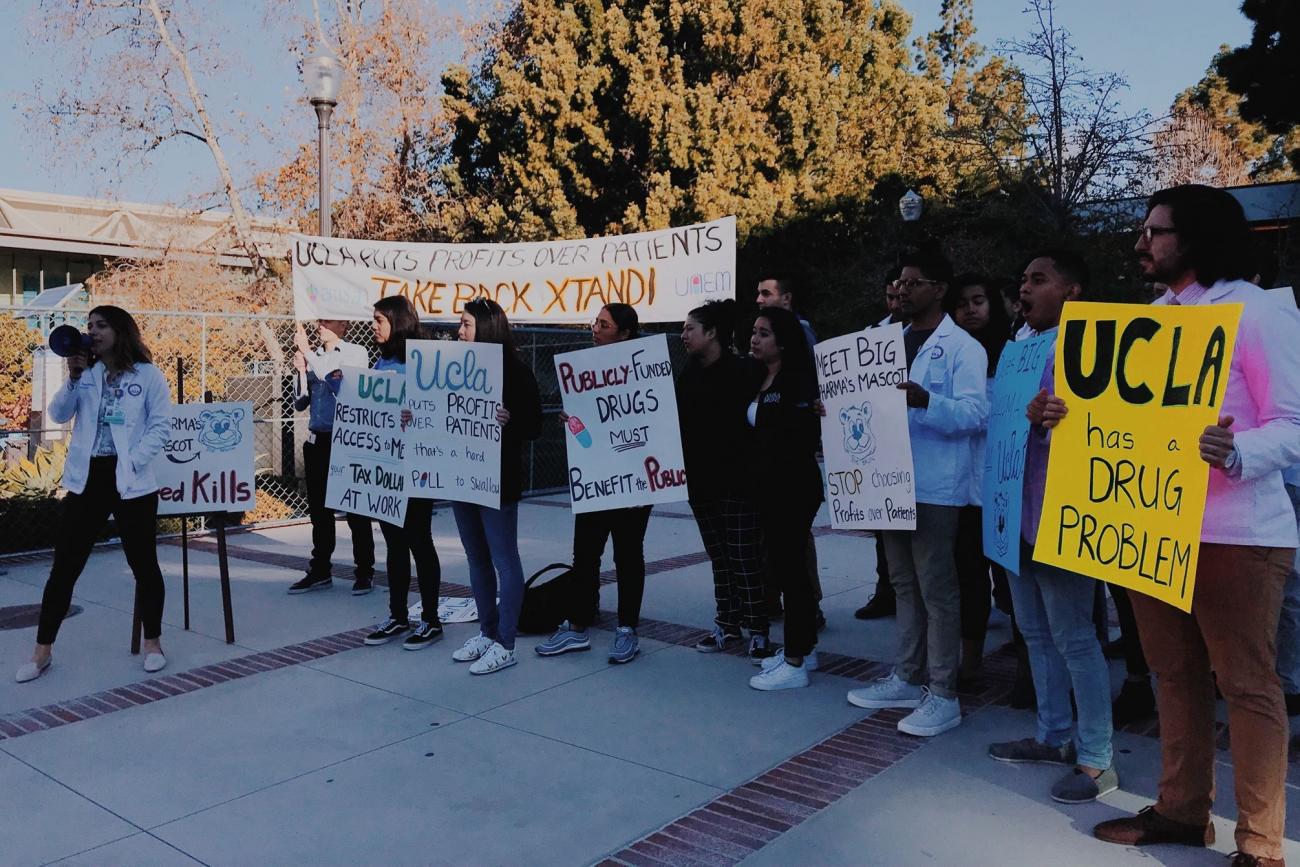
(590, 532)
(84, 515)
(973, 574)
(1135, 661)
(414, 537)
(884, 589)
(316, 465)
(786, 531)
(729, 530)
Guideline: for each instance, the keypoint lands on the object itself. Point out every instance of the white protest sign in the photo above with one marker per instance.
(663, 274)
(623, 439)
(207, 464)
(454, 391)
(366, 475)
(864, 433)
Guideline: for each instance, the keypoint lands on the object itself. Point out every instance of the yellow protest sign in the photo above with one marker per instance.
(1125, 481)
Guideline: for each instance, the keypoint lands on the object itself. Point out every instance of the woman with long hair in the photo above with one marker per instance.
(979, 312)
(119, 404)
(713, 390)
(614, 324)
(394, 322)
(491, 536)
(782, 461)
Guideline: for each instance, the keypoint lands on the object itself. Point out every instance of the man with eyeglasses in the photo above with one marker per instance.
(947, 399)
(882, 603)
(1197, 242)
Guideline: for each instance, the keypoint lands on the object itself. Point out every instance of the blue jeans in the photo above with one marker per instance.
(1054, 612)
(1288, 625)
(491, 541)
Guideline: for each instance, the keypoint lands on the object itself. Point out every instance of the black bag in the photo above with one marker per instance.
(544, 604)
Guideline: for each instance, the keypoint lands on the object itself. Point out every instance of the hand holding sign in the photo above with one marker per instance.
(1217, 442)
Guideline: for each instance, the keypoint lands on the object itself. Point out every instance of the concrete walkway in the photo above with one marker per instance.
(297, 746)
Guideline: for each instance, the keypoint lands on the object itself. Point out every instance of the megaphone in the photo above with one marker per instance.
(66, 341)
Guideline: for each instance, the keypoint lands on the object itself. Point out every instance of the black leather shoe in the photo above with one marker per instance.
(876, 608)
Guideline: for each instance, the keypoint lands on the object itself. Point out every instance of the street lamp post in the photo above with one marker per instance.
(321, 75)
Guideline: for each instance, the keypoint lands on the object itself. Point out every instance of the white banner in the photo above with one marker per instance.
(366, 474)
(662, 274)
(623, 439)
(864, 433)
(454, 391)
(207, 465)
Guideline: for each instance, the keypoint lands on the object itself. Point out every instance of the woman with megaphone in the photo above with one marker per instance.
(119, 404)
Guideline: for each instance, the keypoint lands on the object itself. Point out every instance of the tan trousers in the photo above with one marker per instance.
(1232, 632)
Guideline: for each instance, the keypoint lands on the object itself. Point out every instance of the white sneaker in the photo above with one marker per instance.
(809, 661)
(495, 658)
(934, 716)
(30, 671)
(780, 676)
(473, 649)
(154, 662)
(890, 691)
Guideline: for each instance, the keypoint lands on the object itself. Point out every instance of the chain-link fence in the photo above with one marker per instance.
(233, 357)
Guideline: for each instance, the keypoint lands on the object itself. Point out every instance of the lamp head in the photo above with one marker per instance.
(322, 74)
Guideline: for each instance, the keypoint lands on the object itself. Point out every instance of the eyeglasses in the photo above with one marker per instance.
(601, 325)
(1150, 232)
(909, 285)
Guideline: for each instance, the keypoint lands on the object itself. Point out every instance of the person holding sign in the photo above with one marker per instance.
(1053, 605)
(614, 324)
(491, 536)
(312, 391)
(782, 460)
(712, 392)
(948, 406)
(120, 407)
(395, 322)
(1196, 241)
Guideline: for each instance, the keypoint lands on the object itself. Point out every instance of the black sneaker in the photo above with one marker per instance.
(386, 632)
(363, 585)
(718, 641)
(1135, 702)
(877, 606)
(760, 648)
(424, 635)
(310, 582)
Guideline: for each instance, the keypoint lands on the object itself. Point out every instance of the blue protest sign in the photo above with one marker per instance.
(1020, 371)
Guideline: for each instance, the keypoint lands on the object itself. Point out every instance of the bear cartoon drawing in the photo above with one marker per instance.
(859, 441)
(221, 429)
(1001, 507)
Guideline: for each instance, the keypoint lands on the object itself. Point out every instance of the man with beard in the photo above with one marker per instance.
(1196, 241)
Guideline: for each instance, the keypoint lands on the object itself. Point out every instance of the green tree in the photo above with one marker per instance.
(585, 117)
(1266, 72)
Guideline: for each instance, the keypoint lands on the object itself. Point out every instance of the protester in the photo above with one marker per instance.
(491, 536)
(1196, 241)
(1288, 627)
(119, 404)
(782, 460)
(312, 392)
(1136, 700)
(395, 322)
(882, 603)
(1010, 295)
(614, 324)
(713, 390)
(1054, 606)
(779, 291)
(947, 408)
(980, 316)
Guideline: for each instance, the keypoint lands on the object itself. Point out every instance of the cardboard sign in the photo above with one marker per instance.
(1126, 484)
(865, 439)
(366, 474)
(454, 391)
(623, 438)
(207, 465)
(1020, 372)
(663, 274)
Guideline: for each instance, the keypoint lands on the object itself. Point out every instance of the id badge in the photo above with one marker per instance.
(115, 416)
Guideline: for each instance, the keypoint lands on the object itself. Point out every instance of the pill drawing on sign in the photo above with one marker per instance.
(579, 431)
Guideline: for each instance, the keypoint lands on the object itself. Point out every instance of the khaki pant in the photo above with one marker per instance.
(1231, 631)
(924, 575)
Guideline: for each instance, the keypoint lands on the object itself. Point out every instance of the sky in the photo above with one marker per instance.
(1160, 46)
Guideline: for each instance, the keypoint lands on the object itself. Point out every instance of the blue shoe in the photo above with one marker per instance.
(564, 640)
(625, 646)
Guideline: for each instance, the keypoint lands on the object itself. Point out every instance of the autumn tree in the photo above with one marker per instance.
(1266, 72)
(584, 117)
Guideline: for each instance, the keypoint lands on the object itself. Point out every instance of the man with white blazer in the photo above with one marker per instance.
(947, 399)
